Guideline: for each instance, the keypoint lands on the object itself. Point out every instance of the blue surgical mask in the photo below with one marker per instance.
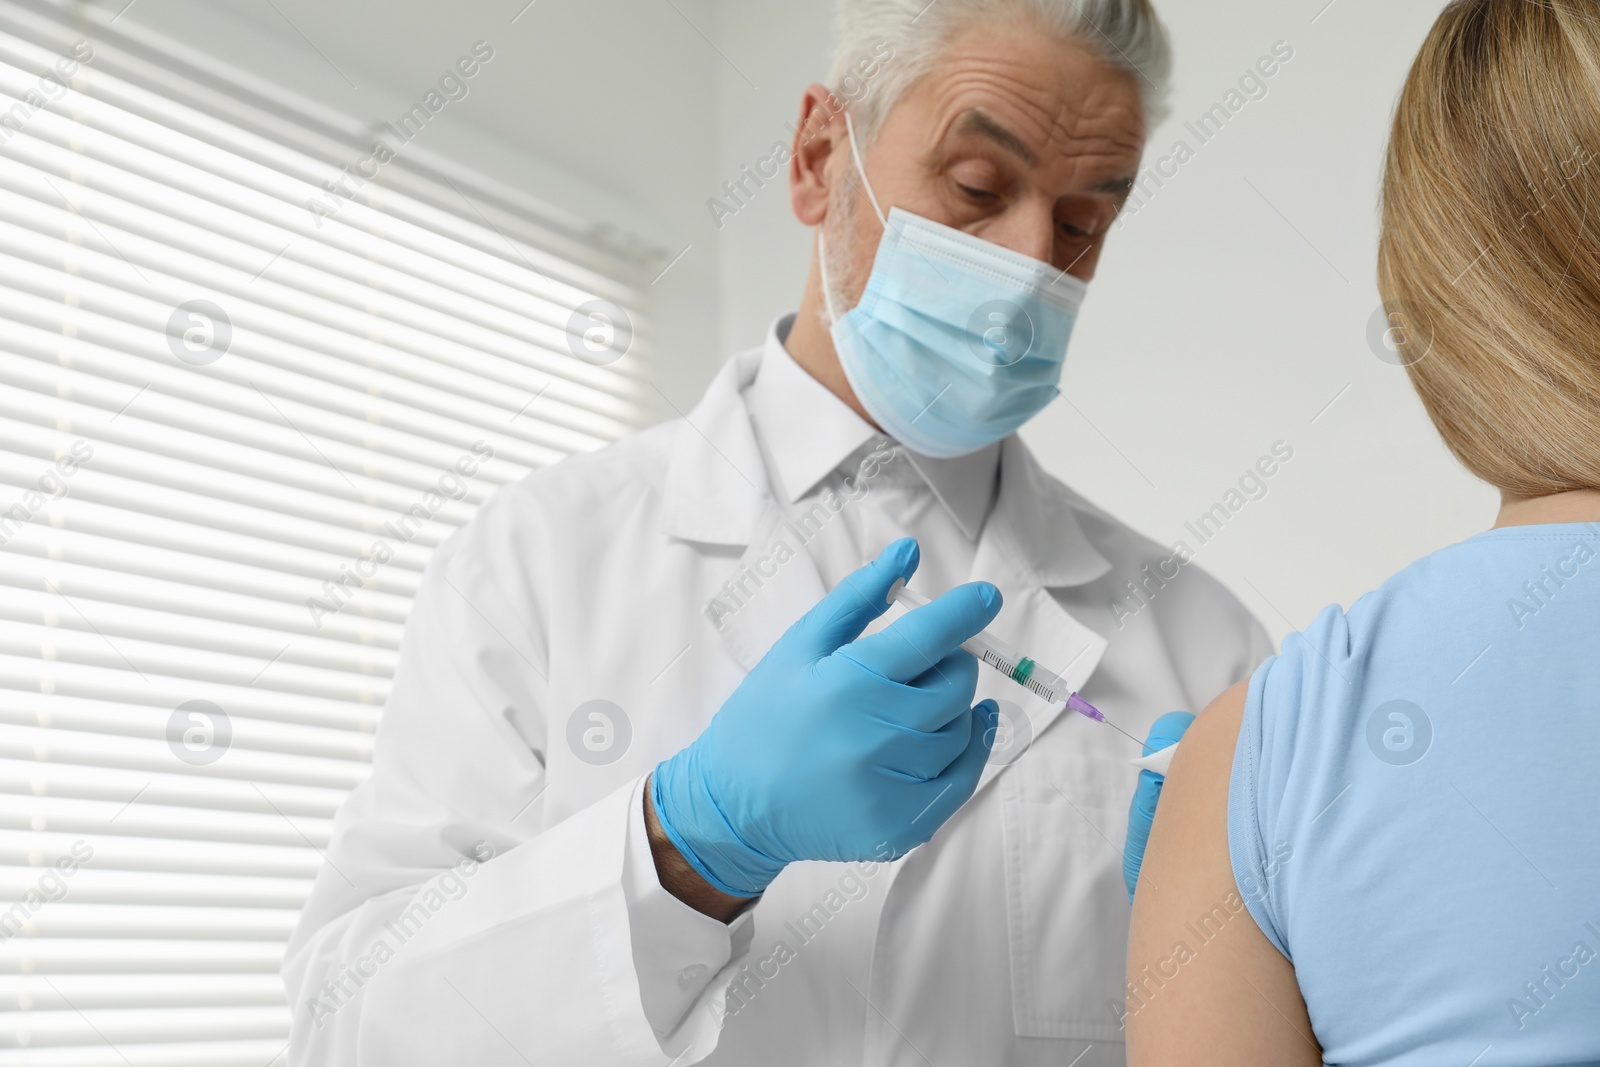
(956, 341)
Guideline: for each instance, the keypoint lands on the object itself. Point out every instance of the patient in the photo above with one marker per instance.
(1385, 847)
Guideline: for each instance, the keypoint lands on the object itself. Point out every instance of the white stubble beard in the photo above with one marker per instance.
(839, 230)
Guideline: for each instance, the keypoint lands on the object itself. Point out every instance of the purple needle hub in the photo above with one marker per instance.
(1083, 707)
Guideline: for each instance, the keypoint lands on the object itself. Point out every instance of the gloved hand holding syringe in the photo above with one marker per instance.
(1027, 672)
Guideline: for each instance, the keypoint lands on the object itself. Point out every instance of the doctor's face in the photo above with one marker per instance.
(1018, 137)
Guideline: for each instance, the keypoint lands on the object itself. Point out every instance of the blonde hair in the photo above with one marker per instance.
(1489, 258)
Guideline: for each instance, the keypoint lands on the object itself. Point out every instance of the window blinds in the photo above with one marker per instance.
(231, 430)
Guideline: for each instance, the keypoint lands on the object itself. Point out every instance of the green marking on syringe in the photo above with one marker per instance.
(1023, 671)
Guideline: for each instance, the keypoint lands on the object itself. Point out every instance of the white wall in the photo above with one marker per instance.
(765, 252)
(1229, 311)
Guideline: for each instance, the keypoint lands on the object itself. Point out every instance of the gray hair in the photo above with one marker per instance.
(1126, 34)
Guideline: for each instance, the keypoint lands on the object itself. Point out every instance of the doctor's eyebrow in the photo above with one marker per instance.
(979, 122)
(1118, 187)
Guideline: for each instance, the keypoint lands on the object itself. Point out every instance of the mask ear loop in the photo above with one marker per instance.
(855, 153)
(822, 240)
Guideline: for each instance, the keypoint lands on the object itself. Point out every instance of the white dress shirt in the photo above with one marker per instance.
(634, 588)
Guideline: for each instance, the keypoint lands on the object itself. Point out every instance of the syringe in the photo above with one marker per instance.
(1019, 668)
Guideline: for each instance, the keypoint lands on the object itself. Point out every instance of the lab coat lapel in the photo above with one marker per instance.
(718, 493)
(716, 487)
(1032, 542)
(774, 583)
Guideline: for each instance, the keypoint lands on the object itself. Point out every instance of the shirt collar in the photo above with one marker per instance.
(809, 432)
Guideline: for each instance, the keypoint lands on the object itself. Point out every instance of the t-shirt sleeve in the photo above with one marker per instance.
(1278, 712)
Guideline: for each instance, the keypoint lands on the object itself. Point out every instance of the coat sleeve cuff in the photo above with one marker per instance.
(681, 956)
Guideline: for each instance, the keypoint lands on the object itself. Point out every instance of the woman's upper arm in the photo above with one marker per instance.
(1205, 986)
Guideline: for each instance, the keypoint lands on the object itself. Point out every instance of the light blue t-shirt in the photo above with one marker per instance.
(1414, 810)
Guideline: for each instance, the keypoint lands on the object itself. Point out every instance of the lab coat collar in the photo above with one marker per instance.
(716, 487)
(717, 490)
(809, 432)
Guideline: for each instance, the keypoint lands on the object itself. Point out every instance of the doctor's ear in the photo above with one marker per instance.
(819, 136)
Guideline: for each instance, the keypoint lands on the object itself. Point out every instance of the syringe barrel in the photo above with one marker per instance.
(1050, 680)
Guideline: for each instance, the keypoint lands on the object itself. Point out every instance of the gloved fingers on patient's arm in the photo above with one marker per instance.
(861, 597)
(1165, 732)
(924, 636)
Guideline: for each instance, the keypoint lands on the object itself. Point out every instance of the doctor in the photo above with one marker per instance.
(625, 809)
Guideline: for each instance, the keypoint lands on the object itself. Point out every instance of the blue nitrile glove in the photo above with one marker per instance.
(1167, 731)
(834, 748)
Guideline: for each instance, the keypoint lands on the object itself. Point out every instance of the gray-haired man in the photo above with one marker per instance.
(679, 826)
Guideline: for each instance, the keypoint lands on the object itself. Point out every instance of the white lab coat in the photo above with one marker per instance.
(1001, 942)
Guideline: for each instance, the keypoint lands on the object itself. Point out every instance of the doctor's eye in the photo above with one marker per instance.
(982, 196)
(1077, 231)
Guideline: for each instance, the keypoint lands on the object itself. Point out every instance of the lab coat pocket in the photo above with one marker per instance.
(1066, 907)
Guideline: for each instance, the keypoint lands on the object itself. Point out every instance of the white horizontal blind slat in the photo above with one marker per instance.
(262, 1053)
(27, 993)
